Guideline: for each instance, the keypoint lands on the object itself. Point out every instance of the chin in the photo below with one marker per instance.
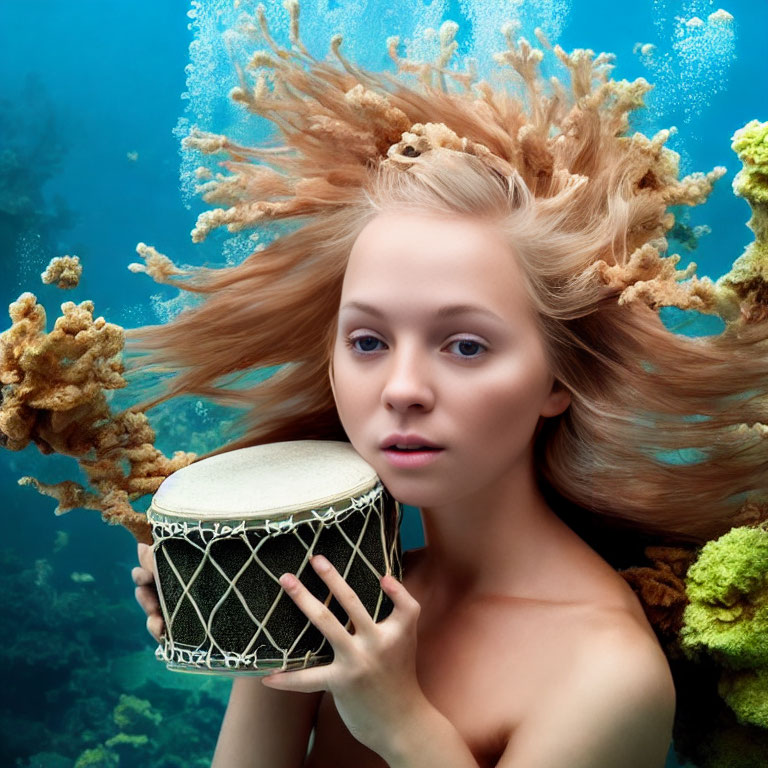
(413, 492)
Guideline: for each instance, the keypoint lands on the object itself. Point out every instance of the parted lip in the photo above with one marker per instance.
(409, 439)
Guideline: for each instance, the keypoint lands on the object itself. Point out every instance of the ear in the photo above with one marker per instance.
(559, 399)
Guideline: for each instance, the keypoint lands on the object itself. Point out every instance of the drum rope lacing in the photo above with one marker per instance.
(216, 657)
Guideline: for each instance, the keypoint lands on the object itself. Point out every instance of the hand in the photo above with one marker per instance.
(373, 674)
(146, 591)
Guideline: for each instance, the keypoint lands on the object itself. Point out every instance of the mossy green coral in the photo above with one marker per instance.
(129, 739)
(746, 693)
(99, 757)
(727, 586)
(750, 143)
(745, 285)
(135, 715)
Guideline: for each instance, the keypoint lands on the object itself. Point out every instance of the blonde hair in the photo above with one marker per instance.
(585, 207)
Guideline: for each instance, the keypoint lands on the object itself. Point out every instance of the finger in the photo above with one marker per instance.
(146, 557)
(146, 597)
(308, 680)
(346, 596)
(317, 613)
(406, 605)
(156, 627)
(142, 577)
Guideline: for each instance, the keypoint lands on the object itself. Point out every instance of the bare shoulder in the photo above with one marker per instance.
(621, 649)
(614, 708)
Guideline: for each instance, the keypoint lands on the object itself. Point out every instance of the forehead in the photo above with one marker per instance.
(405, 258)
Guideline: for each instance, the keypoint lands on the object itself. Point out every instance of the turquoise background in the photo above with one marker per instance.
(82, 84)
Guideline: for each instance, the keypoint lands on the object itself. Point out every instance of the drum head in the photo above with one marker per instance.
(268, 481)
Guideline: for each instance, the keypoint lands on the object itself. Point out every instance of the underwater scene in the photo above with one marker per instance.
(101, 200)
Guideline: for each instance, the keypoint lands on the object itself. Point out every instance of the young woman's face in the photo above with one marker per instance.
(436, 339)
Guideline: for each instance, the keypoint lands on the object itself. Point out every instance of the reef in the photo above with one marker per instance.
(708, 606)
(105, 699)
(53, 395)
(739, 297)
(746, 285)
(727, 618)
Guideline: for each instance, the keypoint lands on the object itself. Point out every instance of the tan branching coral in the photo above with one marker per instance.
(53, 394)
(65, 271)
(158, 266)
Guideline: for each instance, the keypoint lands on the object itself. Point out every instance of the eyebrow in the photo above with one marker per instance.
(445, 312)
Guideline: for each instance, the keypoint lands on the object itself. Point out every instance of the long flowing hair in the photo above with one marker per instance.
(664, 431)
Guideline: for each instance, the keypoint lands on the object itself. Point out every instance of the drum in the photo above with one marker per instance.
(227, 527)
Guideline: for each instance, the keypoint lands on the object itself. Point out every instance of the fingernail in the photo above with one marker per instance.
(320, 564)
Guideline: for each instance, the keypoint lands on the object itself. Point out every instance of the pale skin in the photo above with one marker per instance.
(512, 643)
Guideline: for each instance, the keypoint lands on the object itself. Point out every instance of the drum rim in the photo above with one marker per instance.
(189, 510)
(299, 512)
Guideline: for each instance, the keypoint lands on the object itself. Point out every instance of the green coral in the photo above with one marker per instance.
(746, 285)
(727, 617)
(746, 693)
(135, 715)
(99, 757)
(128, 739)
(751, 145)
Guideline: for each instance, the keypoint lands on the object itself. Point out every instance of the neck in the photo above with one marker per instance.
(497, 540)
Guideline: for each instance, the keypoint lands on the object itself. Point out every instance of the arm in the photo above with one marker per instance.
(265, 728)
(616, 711)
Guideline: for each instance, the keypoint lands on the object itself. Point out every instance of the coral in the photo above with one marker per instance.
(661, 589)
(158, 266)
(709, 608)
(99, 757)
(54, 395)
(49, 620)
(727, 586)
(746, 693)
(65, 271)
(738, 297)
(126, 739)
(133, 714)
(744, 289)
(685, 234)
(726, 621)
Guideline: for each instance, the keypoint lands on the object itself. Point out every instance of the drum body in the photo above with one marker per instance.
(226, 528)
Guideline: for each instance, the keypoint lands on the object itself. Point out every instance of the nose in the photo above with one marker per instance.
(408, 382)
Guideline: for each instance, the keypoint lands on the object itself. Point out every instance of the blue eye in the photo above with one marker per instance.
(469, 348)
(367, 344)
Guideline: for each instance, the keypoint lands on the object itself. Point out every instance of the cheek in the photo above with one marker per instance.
(352, 400)
(504, 408)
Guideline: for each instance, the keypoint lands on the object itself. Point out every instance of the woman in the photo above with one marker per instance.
(479, 278)
(523, 631)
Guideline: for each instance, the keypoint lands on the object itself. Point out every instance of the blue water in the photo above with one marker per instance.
(94, 97)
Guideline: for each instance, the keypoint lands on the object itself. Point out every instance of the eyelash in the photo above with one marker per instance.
(351, 340)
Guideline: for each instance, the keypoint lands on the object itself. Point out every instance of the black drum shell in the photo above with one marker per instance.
(208, 626)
